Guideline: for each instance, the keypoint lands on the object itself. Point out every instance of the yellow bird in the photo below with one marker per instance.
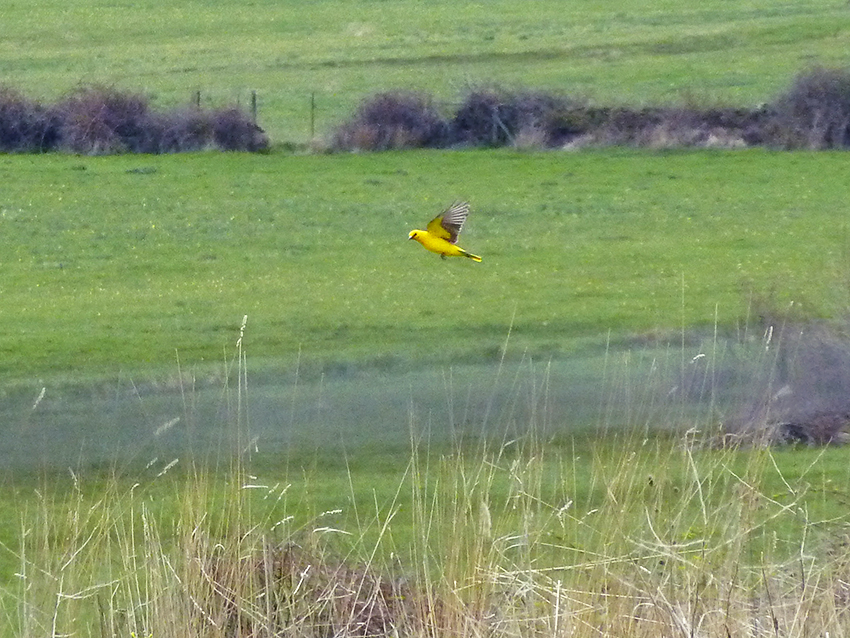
(442, 231)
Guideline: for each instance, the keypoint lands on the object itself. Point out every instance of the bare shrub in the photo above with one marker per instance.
(814, 113)
(233, 130)
(482, 120)
(528, 118)
(24, 125)
(184, 130)
(694, 127)
(674, 127)
(494, 118)
(100, 120)
(194, 129)
(553, 119)
(392, 121)
(625, 126)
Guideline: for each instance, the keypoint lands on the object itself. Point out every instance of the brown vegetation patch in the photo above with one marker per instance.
(292, 591)
(25, 126)
(392, 121)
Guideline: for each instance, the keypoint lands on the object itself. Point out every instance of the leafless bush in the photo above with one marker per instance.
(497, 118)
(392, 121)
(99, 120)
(672, 127)
(689, 126)
(622, 126)
(189, 129)
(493, 118)
(481, 120)
(814, 113)
(233, 130)
(25, 126)
(555, 119)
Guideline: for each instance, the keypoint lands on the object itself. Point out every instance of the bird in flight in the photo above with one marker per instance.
(442, 231)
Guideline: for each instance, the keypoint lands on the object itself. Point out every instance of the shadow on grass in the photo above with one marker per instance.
(737, 385)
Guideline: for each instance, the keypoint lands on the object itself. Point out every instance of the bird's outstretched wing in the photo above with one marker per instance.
(449, 223)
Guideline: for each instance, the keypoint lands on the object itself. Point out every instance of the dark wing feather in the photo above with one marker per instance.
(452, 219)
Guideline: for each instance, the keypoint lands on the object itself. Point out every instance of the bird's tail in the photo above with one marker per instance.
(471, 256)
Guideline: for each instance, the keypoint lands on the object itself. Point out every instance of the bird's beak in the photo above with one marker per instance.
(411, 235)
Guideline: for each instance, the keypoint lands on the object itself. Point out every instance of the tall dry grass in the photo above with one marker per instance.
(636, 533)
(662, 537)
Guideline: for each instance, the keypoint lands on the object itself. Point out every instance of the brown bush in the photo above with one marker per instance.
(392, 121)
(552, 118)
(99, 120)
(480, 120)
(233, 130)
(496, 118)
(814, 113)
(672, 127)
(290, 590)
(24, 125)
(184, 130)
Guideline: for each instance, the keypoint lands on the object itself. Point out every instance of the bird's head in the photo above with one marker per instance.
(413, 234)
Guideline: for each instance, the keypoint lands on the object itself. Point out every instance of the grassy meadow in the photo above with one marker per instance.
(236, 401)
(175, 250)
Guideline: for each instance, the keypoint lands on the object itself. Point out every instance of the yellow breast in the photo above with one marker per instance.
(435, 244)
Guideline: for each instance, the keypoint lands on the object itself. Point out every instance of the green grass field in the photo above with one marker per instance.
(507, 438)
(127, 279)
(125, 262)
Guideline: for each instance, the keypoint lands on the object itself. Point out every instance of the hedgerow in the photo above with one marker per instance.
(813, 113)
(100, 120)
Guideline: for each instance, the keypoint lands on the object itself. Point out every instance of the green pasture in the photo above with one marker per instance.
(641, 51)
(607, 276)
(130, 263)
